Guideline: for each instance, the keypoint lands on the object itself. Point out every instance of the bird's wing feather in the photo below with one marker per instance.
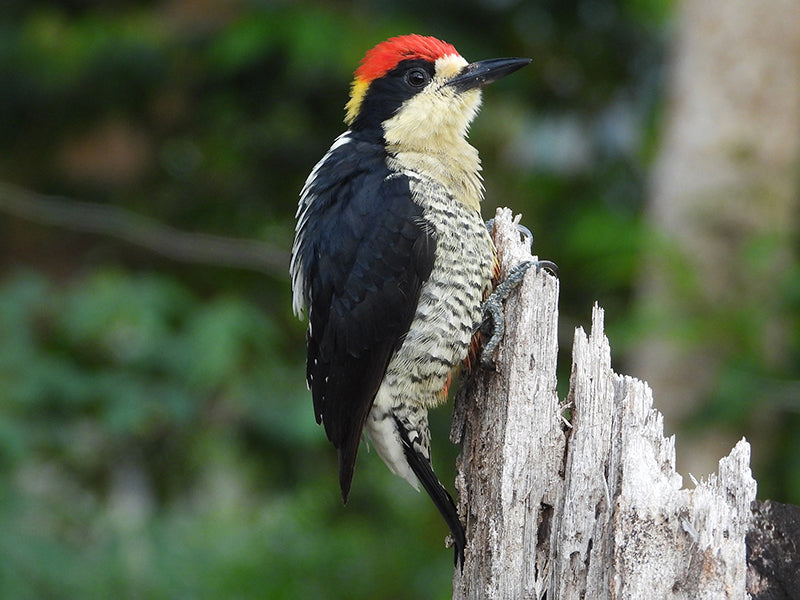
(362, 275)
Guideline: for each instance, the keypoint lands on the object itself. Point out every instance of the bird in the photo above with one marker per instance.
(391, 260)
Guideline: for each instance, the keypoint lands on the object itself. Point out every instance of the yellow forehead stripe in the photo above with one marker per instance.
(449, 66)
(357, 92)
(446, 67)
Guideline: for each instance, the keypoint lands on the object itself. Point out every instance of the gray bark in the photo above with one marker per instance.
(510, 427)
(593, 507)
(773, 551)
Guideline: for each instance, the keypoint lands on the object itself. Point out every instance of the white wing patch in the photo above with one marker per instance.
(306, 200)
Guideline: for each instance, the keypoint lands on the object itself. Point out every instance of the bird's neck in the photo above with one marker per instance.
(455, 164)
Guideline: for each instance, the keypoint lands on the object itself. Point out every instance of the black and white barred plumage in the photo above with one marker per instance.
(391, 259)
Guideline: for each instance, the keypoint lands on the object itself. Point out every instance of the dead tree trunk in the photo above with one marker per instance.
(581, 500)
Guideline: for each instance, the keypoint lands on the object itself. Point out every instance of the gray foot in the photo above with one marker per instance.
(493, 319)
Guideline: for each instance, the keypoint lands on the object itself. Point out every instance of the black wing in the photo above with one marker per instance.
(365, 253)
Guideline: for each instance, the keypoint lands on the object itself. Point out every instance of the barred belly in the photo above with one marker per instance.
(448, 312)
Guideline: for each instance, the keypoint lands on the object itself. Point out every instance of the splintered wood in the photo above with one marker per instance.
(581, 499)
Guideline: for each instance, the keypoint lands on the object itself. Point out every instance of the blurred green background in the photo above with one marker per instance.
(156, 436)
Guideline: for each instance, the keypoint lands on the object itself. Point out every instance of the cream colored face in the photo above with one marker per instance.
(438, 114)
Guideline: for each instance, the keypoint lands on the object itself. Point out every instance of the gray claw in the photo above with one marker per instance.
(524, 231)
(493, 310)
(526, 235)
(493, 307)
(547, 265)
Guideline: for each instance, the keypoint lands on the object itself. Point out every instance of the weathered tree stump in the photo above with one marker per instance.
(581, 499)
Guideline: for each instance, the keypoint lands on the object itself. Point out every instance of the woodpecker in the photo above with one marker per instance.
(391, 259)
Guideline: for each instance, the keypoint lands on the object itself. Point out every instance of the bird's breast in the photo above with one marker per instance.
(452, 165)
(450, 302)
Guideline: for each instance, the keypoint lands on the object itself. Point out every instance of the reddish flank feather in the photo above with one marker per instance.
(386, 55)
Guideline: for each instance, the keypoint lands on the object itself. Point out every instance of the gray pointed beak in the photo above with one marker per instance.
(479, 74)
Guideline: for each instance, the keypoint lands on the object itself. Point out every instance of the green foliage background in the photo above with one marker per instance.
(156, 436)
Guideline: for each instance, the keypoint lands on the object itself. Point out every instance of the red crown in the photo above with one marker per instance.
(385, 56)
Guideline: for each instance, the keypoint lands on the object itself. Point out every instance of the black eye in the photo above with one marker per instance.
(417, 77)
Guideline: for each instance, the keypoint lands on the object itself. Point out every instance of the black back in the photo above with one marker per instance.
(365, 254)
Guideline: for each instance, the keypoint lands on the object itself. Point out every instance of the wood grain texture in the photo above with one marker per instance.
(592, 508)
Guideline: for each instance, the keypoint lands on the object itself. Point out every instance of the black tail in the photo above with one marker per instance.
(441, 497)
